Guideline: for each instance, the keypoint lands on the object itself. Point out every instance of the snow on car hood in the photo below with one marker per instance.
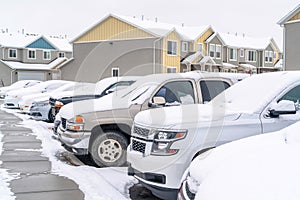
(62, 94)
(182, 115)
(259, 167)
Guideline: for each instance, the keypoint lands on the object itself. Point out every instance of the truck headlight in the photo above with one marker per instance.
(163, 141)
(76, 123)
(58, 104)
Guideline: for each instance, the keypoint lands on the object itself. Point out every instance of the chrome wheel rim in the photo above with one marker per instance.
(110, 150)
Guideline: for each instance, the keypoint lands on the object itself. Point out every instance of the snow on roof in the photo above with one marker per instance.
(249, 66)
(289, 15)
(23, 40)
(244, 41)
(279, 64)
(229, 65)
(29, 66)
(192, 57)
(16, 40)
(157, 29)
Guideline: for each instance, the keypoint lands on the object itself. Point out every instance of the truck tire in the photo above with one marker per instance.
(109, 149)
(51, 117)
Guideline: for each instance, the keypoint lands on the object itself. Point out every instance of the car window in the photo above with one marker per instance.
(117, 86)
(211, 88)
(292, 95)
(177, 92)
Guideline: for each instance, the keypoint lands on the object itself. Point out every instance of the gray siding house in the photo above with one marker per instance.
(25, 56)
(291, 39)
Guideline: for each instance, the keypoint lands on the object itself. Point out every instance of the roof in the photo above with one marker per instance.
(288, 16)
(237, 41)
(29, 66)
(24, 40)
(192, 57)
(157, 29)
(247, 66)
(229, 65)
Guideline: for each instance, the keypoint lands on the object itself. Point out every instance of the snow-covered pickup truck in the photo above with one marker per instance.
(164, 141)
(102, 127)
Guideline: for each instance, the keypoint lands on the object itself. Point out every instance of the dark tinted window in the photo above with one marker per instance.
(292, 95)
(211, 88)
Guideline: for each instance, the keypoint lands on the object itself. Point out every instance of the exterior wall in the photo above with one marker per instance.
(216, 41)
(112, 29)
(171, 60)
(292, 46)
(5, 74)
(202, 40)
(5, 54)
(95, 60)
(184, 54)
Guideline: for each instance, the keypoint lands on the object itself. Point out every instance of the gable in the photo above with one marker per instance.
(40, 43)
(295, 17)
(112, 29)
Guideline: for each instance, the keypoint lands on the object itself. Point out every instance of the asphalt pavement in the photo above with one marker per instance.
(22, 155)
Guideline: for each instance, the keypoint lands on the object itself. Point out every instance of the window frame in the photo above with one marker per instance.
(210, 50)
(234, 52)
(176, 48)
(184, 44)
(198, 46)
(247, 55)
(49, 53)
(28, 54)
(63, 53)
(242, 53)
(16, 53)
(216, 52)
(115, 69)
(172, 69)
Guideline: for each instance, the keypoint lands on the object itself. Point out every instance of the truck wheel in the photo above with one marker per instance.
(109, 149)
(51, 117)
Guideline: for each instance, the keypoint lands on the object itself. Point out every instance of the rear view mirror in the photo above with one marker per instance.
(284, 107)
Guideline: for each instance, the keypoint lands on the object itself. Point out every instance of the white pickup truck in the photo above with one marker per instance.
(165, 140)
(102, 127)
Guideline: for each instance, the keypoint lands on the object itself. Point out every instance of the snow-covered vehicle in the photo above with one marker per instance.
(102, 127)
(26, 100)
(165, 140)
(101, 88)
(17, 85)
(13, 97)
(259, 167)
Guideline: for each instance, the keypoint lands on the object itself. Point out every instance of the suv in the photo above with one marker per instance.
(102, 127)
(164, 141)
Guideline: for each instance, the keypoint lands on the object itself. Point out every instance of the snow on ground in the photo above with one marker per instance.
(96, 183)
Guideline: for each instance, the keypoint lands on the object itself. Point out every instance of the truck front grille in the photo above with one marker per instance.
(138, 146)
(64, 123)
(141, 131)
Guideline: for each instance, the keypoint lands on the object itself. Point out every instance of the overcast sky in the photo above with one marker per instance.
(256, 18)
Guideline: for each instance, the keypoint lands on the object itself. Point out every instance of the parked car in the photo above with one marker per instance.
(259, 167)
(102, 127)
(26, 100)
(44, 108)
(17, 85)
(13, 97)
(165, 140)
(101, 88)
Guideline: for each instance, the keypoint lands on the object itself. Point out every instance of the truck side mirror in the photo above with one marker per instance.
(284, 107)
(157, 101)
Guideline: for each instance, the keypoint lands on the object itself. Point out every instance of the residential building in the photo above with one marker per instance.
(119, 45)
(30, 56)
(291, 39)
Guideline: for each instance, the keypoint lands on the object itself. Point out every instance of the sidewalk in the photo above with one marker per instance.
(21, 155)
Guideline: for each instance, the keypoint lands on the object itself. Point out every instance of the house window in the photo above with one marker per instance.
(171, 69)
(115, 72)
(172, 48)
(200, 47)
(271, 56)
(212, 50)
(61, 54)
(232, 54)
(251, 55)
(12, 53)
(241, 52)
(218, 51)
(46, 55)
(31, 54)
(184, 46)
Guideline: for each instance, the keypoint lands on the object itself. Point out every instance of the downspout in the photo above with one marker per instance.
(154, 57)
(284, 51)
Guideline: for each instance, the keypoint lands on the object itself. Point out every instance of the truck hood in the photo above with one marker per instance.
(108, 102)
(185, 114)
